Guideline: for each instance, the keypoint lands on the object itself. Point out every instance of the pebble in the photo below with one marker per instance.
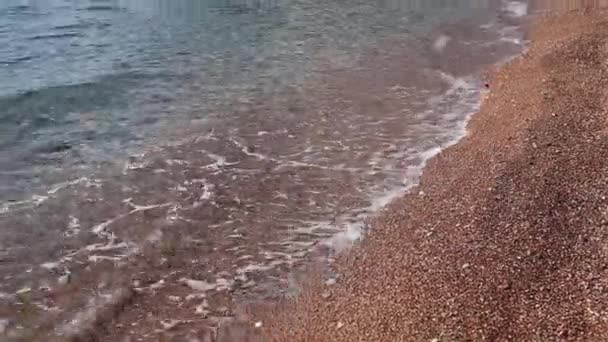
(24, 290)
(330, 282)
(198, 285)
(176, 299)
(170, 324)
(64, 279)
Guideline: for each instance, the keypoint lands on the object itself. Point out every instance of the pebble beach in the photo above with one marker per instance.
(505, 237)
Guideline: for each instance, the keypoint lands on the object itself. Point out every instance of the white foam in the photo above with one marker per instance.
(99, 228)
(511, 34)
(133, 165)
(250, 268)
(177, 162)
(207, 193)
(73, 227)
(220, 284)
(98, 258)
(246, 151)
(180, 188)
(467, 94)
(281, 195)
(218, 162)
(512, 40)
(110, 246)
(351, 233)
(33, 202)
(441, 42)
(57, 187)
(516, 9)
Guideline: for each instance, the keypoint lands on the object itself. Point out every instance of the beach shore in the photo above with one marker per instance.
(505, 237)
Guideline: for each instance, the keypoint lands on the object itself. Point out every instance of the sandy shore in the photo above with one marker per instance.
(505, 239)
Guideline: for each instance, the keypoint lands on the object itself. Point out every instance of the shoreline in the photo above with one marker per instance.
(428, 201)
(493, 266)
(176, 279)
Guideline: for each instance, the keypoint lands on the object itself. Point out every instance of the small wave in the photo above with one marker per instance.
(70, 26)
(460, 101)
(36, 200)
(66, 106)
(22, 10)
(101, 7)
(234, 9)
(16, 60)
(56, 36)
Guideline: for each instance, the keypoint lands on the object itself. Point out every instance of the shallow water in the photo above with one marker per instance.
(187, 146)
(88, 82)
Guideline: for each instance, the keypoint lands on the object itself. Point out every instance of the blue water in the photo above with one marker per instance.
(86, 82)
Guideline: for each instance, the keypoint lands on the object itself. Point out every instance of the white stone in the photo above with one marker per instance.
(330, 282)
(64, 279)
(198, 285)
(24, 290)
(170, 324)
(175, 299)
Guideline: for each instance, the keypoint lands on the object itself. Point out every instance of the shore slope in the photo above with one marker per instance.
(505, 238)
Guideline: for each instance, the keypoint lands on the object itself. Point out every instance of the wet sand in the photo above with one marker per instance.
(505, 238)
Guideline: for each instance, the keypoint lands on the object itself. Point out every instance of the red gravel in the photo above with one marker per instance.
(506, 239)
